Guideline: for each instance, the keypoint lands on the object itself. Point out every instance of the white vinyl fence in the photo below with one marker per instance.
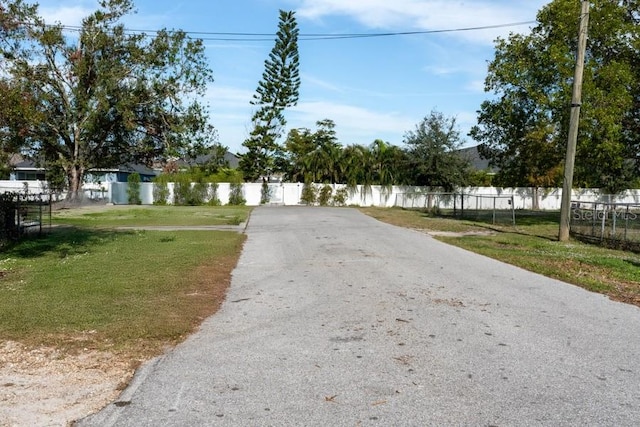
(290, 194)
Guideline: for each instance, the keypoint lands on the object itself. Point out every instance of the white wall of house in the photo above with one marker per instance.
(101, 177)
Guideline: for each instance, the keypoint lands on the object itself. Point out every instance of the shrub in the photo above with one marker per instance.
(309, 194)
(341, 196)
(226, 175)
(265, 193)
(236, 198)
(181, 190)
(160, 192)
(133, 189)
(187, 194)
(198, 194)
(213, 199)
(324, 198)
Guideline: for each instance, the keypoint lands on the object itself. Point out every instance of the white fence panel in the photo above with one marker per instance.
(375, 195)
(31, 187)
(290, 193)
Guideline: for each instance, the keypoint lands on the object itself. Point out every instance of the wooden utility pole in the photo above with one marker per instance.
(565, 208)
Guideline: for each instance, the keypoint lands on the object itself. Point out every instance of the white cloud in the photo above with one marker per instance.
(443, 70)
(354, 125)
(466, 119)
(230, 113)
(476, 86)
(311, 80)
(67, 15)
(228, 97)
(408, 15)
(72, 12)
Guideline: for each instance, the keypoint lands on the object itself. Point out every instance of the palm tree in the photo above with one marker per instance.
(320, 162)
(356, 163)
(298, 145)
(386, 163)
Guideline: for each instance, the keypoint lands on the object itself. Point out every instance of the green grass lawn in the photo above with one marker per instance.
(121, 216)
(128, 291)
(533, 244)
(135, 292)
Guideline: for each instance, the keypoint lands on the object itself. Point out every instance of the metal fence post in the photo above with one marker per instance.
(494, 212)
(40, 202)
(17, 216)
(626, 223)
(603, 222)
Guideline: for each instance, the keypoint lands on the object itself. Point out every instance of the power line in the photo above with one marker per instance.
(409, 33)
(251, 37)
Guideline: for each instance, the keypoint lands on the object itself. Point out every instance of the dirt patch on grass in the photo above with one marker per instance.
(459, 233)
(52, 386)
(45, 387)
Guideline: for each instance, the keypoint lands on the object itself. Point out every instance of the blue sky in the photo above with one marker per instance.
(371, 88)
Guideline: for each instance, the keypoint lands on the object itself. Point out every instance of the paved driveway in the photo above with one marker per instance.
(335, 319)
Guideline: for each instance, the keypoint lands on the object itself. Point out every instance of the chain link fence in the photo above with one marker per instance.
(610, 224)
(23, 214)
(494, 209)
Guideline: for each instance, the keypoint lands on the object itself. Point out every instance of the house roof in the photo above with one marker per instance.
(232, 159)
(26, 165)
(21, 164)
(477, 161)
(129, 168)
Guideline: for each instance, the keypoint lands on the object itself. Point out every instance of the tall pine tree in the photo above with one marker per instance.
(277, 90)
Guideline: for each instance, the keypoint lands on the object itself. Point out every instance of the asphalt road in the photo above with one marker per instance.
(335, 319)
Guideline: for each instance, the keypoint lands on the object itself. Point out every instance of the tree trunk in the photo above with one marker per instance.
(75, 175)
(535, 205)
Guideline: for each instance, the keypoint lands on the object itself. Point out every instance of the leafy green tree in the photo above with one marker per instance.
(481, 178)
(13, 17)
(314, 156)
(523, 130)
(433, 157)
(216, 159)
(133, 189)
(277, 91)
(322, 164)
(298, 144)
(319, 157)
(387, 162)
(101, 97)
(356, 165)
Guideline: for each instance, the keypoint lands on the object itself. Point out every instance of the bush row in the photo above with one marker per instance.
(323, 196)
(188, 193)
(197, 194)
